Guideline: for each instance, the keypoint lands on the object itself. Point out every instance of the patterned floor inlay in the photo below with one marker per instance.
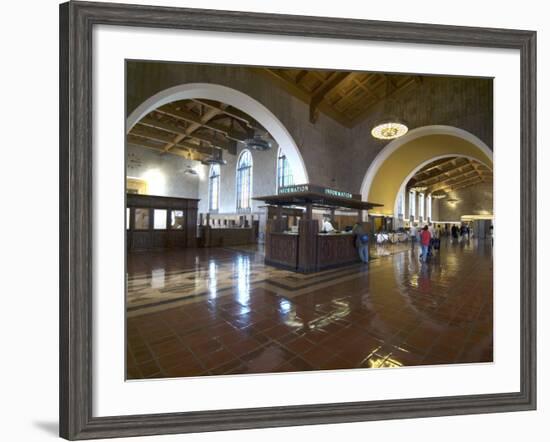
(222, 311)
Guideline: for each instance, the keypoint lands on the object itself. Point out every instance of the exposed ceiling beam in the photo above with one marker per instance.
(320, 93)
(191, 117)
(449, 173)
(301, 75)
(143, 143)
(297, 91)
(192, 127)
(472, 164)
(161, 125)
(139, 135)
(446, 185)
(155, 135)
(437, 166)
(181, 135)
(233, 112)
(368, 110)
(390, 85)
(230, 147)
(471, 184)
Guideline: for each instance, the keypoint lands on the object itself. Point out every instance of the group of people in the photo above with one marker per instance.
(463, 231)
(429, 237)
(426, 242)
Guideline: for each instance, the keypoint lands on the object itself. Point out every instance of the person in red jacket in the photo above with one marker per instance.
(425, 238)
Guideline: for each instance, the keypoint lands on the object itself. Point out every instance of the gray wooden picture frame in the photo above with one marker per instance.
(77, 20)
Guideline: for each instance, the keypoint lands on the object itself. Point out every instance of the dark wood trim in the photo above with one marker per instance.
(76, 163)
(158, 239)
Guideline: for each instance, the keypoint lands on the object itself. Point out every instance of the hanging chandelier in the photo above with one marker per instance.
(389, 126)
(259, 142)
(389, 130)
(419, 189)
(215, 158)
(438, 196)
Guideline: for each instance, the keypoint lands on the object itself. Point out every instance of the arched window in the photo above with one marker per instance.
(429, 207)
(412, 205)
(214, 190)
(400, 204)
(284, 172)
(244, 181)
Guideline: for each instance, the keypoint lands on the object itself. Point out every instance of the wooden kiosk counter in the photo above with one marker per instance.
(308, 249)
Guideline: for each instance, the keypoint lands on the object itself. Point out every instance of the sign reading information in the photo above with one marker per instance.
(317, 189)
(338, 193)
(294, 189)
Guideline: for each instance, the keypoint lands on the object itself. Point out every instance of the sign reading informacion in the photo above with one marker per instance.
(317, 189)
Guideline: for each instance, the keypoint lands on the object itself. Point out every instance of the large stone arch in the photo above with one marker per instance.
(236, 99)
(420, 166)
(404, 156)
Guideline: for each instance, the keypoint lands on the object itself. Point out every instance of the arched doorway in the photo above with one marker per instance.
(423, 165)
(236, 99)
(403, 157)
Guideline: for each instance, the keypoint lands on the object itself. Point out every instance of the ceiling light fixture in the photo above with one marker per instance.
(419, 188)
(439, 196)
(215, 158)
(389, 126)
(259, 142)
(389, 130)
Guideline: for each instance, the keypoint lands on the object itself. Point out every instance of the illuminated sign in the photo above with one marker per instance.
(294, 189)
(317, 189)
(338, 193)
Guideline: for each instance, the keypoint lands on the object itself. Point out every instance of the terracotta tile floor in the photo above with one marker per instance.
(222, 311)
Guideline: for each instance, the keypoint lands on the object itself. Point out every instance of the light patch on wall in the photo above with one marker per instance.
(452, 202)
(156, 182)
(201, 172)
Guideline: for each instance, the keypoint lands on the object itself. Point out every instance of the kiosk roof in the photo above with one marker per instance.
(317, 199)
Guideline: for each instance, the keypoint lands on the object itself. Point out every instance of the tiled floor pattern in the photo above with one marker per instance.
(221, 311)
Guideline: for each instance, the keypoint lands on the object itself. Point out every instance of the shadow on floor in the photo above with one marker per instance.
(52, 428)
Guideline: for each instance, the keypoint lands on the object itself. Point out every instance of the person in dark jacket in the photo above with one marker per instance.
(361, 241)
(454, 232)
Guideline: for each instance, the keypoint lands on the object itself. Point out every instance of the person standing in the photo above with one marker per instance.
(425, 238)
(413, 232)
(432, 236)
(437, 238)
(327, 225)
(361, 241)
(454, 232)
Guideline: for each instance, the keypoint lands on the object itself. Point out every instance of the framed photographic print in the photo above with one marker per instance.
(272, 220)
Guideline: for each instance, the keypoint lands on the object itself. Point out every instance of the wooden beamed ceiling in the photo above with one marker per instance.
(347, 97)
(451, 174)
(194, 128)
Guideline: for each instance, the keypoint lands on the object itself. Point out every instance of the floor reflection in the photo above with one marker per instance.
(222, 311)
